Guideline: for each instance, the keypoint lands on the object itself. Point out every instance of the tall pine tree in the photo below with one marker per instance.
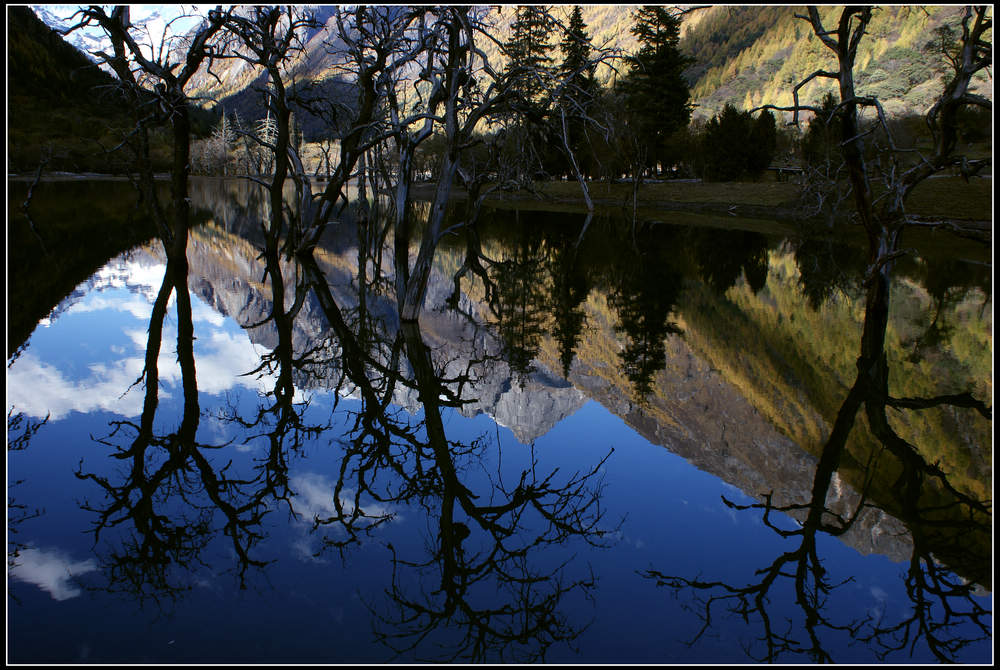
(656, 93)
(577, 67)
(578, 72)
(528, 50)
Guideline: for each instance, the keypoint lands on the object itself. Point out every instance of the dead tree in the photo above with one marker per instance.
(161, 78)
(960, 516)
(371, 47)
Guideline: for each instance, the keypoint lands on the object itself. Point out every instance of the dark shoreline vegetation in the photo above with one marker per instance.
(440, 222)
(966, 203)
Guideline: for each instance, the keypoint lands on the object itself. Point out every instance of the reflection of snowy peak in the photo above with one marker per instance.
(135, 270)
(227, 277)
(700, 416)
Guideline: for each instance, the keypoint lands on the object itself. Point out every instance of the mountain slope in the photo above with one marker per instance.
(754, 55)
(744, 55)
(59, 103)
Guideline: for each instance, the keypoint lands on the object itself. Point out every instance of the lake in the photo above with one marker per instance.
(614, 447)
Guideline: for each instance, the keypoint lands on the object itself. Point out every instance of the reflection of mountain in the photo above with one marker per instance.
(701, 416)
(226, 275)
(747, 392)
(36, 283)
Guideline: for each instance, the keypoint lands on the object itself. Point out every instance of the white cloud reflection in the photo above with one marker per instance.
(223, 355)
(51, 571)
(314, 498)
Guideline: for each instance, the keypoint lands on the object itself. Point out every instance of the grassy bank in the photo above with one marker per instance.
(944, 197)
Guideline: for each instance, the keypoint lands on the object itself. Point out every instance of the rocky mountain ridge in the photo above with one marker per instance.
(744, 55)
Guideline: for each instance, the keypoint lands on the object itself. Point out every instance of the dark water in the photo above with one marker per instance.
(607, 449)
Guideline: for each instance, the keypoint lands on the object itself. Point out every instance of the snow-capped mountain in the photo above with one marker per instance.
(59, 17)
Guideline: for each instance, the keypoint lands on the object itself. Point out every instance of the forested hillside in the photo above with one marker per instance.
(754, 55)
(63, 111)
(742, 55)
(60, 106)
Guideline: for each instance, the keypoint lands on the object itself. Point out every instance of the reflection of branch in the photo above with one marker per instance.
(488, 596)
(20, 431)
(935, 592)
(167, 471)
(31, 191)
(944, 521)
(956, 400)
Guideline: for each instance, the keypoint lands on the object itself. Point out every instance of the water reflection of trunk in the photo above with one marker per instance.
(482, 537)
(941, 519)
(160, 476)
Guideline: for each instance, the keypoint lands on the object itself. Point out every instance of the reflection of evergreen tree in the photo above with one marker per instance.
(722, 256)
(570, 287)
(826, 266)
(646, 292)
(521, 298)
(947, 283)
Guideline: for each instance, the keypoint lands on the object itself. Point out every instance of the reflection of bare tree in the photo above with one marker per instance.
(20, 431)
(492, 596)
(943, 522)
(945, 612)
(170, 493)
(950, 529)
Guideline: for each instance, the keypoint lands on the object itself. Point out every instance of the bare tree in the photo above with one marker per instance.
(935, 510)
(155, 78)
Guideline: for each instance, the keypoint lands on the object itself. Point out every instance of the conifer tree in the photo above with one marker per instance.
(578, 70)
(656, 92)
(528, 50)
(577, 66)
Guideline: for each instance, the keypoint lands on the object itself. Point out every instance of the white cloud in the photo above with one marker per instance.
(37, 388)
(135, 305)
(51, 571)
(221, 359)
(314, 497)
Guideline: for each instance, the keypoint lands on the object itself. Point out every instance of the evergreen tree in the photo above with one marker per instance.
(763, 143)
(656, 92)
(821, 142)
(736, 145)
(576, 66)
(578, 72)
(528, 50)
(724, 144)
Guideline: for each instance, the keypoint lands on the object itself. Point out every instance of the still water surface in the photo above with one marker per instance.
(607, 449)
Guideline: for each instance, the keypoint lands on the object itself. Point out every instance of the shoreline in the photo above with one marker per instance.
(714, 205)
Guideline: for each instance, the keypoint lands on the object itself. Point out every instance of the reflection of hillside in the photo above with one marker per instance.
(36, 281)
(701, 409)
(796, 364)
(226, 275)
(747, 392)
